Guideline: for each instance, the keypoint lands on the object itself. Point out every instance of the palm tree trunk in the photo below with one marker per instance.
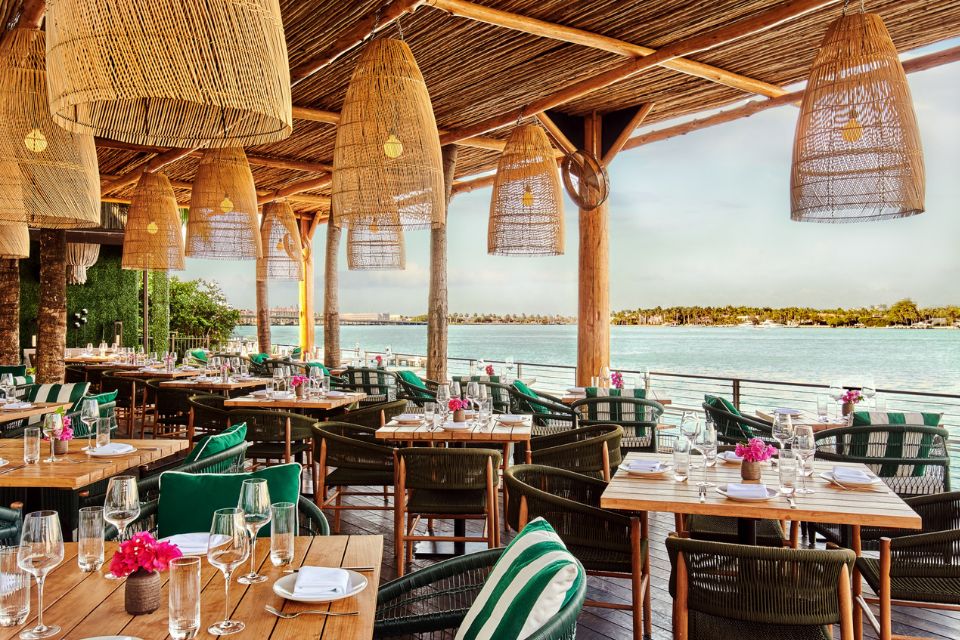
(263, 316)
(52, 310)
(437, 296)
(331, 297)
(9, 311)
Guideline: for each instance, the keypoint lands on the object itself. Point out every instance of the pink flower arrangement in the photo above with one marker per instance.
(143, 552)
(490, 370)
(379, 360)
(456, 404)
(297, 380)
(852, 395)
(66, 433)
(616, 379)
(756, 450)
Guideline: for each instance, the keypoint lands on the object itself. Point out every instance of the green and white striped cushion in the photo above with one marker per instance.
(72, 392)
(483, 378)
(864, 418)
(20, 380)
(613, 409)
(532, 581)
(601, 392)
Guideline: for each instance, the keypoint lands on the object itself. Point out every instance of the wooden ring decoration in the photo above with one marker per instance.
(585, 179)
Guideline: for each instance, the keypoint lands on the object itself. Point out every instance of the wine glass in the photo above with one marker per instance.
(473, 392)
(52, 428)
(255, 503)
(782, 430)
(689, 428)
(89, 415)
(228, 548)
(7, 385)
(121, 506)
(508, 362)
(836, 392)
(454, 389)
(869, 390)
(806, 447)
(41, 549)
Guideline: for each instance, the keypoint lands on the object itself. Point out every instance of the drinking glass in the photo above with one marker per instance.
(788, 472)
(89, 350)
(443, 398)
(41, 549)
(836, 392)
(822, 408)
(122, 504)
(89, 415)
(229, 547)
(255, 503)
(90, 539)
(52, 427)
(708, 445)
(782, 430)
(183, 619)
(508, 361)
(31, 445)
(429, 414)
(103, 432)
(869, 389)
(283, 528)
(681, 460)
(486, 409)
(689, 428)
(805, 447)
(454, 389)
(14, 591)
(473, 392)
(7, 385)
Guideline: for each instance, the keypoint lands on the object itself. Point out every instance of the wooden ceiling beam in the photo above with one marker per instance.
(713, 38)
(559, 137)
(303, 198)
(255, 159)
(635, 121)
(465, 186)
(756, 106)
(295, 188)
(544, 29)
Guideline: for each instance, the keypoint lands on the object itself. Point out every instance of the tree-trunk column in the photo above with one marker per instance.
(52, 310)
(331, 297)
(593, 317)
(9, 311)
(307, 330)
(437, 299)
(263, 316)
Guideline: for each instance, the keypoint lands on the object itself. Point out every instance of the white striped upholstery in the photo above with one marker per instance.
(71, 392)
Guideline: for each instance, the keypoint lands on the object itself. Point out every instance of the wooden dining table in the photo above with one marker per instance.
(37, 409)
(87, 605)
(806, 418)
(157, 373)
(322, 403)
(216, 384)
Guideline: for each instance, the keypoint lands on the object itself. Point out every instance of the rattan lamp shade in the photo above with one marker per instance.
(153, 240)
(182, 74)
(526, 210)
(80, 257)
(48, 176)
(282, 250)
(372, 248)
(223, 208)
(857, 155)
(14, 241)
(387, 166)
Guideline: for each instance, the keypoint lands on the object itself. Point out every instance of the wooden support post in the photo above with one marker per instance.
(331, 297)
(437, 298)
(9, 311)
(263, 316)
(146, 311)
(52, 311)
(307, 321)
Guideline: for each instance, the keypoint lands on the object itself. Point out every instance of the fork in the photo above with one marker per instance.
(297, 614)
(703, 493)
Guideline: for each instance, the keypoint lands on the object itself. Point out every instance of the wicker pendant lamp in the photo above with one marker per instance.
(857, 155)
(153, 240)
(14, 241)
(223, 208)
(48, 176)
(526, 210)
(374, 248)
(182, 74)
(80, 257)
(282, 250)
(387, 165)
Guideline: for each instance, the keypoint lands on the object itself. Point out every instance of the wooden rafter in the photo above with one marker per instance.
(573, 35)
(559, 138)
(291, 164)
(302, 198)
(635, 121)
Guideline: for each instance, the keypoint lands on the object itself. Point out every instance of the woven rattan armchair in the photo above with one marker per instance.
(593, 451)
(502, 397)
(915, 569)
(278, 436)
(605, 542)
(550, 415)
(444, 484)
(732, 426)
(738, 592)
(435, 600)
(129, 407)
(639, 419)
(171, 410)
(349, 455)
(374, 415)
(74, 374)
(11, 519)
(207, 415)
(417, 394)
(380, 385)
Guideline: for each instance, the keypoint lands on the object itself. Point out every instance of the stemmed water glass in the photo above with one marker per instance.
(255, 504)
(782, 430)
(228, 548)
(689, 428)
(7, 385)
(89, 415)
(41, 549)
(508, 362)
(455, 389)
(121, 506)
(869, 390)
(806, 447)
(473, 393)
(836, 392)
(52, 428)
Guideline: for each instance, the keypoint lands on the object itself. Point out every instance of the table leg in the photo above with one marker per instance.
(747, 531)
(857, 587)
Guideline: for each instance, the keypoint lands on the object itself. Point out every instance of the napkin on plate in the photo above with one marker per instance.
(13, 406)
(731, 456)
(114, 448)
(190, 544)
(737, 490)
(335, 394)
(315, 582)
(645, 465)
(846, 474)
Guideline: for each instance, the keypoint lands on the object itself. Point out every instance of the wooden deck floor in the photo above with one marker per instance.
(596, 624)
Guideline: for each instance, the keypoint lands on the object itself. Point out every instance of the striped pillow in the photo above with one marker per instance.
(71, 392)
(534, 579)
(915, 418)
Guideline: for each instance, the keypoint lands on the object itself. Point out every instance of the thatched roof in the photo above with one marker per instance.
(477, 71)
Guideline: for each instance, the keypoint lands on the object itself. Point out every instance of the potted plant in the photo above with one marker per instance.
(457, 406)
(616, 380)
(61, 441)
(298, 384)
(850, 400)
(753, 453)
(490, 371)
(140, 560)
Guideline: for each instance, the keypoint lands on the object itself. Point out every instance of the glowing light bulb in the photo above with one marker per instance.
(280, 246)
(852, 131)
(527, 198)
(374, 228)
(35, 141)
(393, 148)
(152, 228)
(226, 205)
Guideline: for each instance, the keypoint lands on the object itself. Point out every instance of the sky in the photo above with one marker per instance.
(701, 219)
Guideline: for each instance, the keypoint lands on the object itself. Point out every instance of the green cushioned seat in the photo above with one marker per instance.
(259, 358)
(72, 392)
(530, 393)
(215, 443)
(447, 501)
(199, 355)
(864, 418)
(721, 403)
(187, 500)
(16, 370)
(102, 398)
(944, 589)
(343, 477)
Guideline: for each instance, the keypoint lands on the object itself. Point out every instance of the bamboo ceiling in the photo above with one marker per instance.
(475, 71)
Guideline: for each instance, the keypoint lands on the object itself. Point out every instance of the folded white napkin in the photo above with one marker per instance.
(736, 490)
(580, 390)
(190, 544)
(851, 475)
(731, 456)
(507, 418)
(313, 582)
(335, 394)
(12, 406)
(645, 465)
(114, 448)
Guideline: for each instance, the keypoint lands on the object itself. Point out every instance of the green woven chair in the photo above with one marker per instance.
(732, 426)
(416, 389)
(278, 436)
(435, 600)
(347, 456)
(207, 414)
(550, 415)
(11, 518)
(374, 415)
(73, 375)
(592, 451)
(129, 407)
(444, 484)
(380, 385)
(605, 542)
(107, 410)
(171, 410)
(737, 592)
(258, 365)
(639, 419)
(502, 397)
(916, 569)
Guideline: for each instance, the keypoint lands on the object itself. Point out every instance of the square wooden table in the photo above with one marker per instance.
(215, 384)
(87, 604)
(157, 373)
(88, 359)
(499, 433)
(807, 419)
(38, 409)
(326, 403)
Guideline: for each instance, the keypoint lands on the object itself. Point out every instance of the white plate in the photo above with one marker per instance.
(638, 472)
(335, 394)
(786, 411)
(17, 406)
(284, 588)
(408, 418)
(507, 418)
(874, 480)
(113, 453)
(771, 494)
(457, 426)
(729, 457)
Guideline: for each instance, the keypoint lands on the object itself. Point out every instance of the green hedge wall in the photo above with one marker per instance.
(110, 294)
(159, 311)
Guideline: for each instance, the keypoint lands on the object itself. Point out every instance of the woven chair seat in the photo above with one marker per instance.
(707, 627)
(276, 450)
(445, 501)
(721, 529)
(603, 558)
(945, 590)
(343, 477)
